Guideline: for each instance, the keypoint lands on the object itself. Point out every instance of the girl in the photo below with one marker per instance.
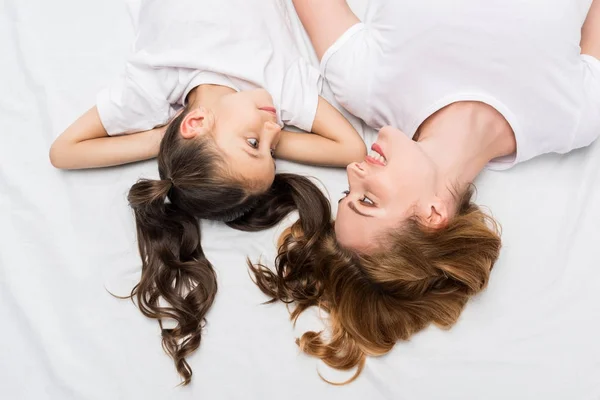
(464, 84)
(227, 76)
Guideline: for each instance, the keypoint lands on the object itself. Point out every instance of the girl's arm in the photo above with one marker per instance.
(335, 142)
(85, 144)
(325, 21)
(590, 33)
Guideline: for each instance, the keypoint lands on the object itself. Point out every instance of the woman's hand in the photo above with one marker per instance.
(325, 21)
(590, 33)
(85, 144)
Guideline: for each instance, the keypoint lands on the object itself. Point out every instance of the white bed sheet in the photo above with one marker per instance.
(65, 237)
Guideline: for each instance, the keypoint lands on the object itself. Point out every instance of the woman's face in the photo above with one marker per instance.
(396, 181)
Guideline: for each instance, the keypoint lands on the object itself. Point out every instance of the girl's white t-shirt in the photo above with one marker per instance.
(410, 58)
(180, 44)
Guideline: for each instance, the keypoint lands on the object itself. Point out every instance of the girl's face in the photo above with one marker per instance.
(247, 131)
(245, 128)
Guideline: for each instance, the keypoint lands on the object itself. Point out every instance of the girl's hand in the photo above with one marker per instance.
(85, 144)
(335, 142)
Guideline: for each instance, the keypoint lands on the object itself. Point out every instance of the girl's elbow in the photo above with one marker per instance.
(358, 152)
(57, 156)
(352, 154)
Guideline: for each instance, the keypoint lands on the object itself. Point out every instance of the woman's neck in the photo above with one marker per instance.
(462, 139)
(207, 95)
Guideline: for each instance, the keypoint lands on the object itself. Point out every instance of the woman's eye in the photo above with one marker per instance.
(367, 201)
(252, 142)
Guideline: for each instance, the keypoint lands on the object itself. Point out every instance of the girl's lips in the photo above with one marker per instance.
(272, 110)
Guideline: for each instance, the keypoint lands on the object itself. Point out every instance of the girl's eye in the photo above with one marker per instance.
(345, 193)
(252, 142)
(367, 201)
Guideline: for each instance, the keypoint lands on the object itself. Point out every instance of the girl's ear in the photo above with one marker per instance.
(197, 122)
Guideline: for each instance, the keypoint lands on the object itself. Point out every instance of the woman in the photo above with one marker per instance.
(464, 85)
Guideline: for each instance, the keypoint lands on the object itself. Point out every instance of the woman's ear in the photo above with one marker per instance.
(435, 215)
(197, 122)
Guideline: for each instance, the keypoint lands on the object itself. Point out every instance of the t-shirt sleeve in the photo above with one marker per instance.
(347, 67)
(135, 103)
(589, 124)
(300, 95)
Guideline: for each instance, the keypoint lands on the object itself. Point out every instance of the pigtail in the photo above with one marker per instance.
(174, 268)
(288, 193)
(296, 279)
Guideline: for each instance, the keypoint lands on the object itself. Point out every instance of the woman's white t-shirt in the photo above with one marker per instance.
(410, 58)
(180, 44)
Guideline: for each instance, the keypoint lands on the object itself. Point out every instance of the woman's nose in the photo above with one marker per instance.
(356, 169)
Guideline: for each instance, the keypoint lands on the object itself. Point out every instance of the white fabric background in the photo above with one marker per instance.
(66, 237)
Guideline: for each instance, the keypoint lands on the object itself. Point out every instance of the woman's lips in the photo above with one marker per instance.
(374, 161)
(378, 149)
(376, 156)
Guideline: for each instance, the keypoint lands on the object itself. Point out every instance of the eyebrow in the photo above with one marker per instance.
(353, 208)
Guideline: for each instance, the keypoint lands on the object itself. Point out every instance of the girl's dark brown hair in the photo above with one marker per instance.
(417, 277)
(178, 282)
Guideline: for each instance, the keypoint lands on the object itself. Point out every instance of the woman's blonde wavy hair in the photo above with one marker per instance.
(418, 277)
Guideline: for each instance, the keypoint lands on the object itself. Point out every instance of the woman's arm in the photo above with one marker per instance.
(334, 143)
(590, 33)
(85, 144)
(325, 21)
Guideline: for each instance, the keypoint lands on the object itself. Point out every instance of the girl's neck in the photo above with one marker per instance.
(462, 139)
(207, 95)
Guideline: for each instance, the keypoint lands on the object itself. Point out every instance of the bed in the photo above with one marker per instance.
(67, 240)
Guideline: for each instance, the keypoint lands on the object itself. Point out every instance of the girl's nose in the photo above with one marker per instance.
(273, 130)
